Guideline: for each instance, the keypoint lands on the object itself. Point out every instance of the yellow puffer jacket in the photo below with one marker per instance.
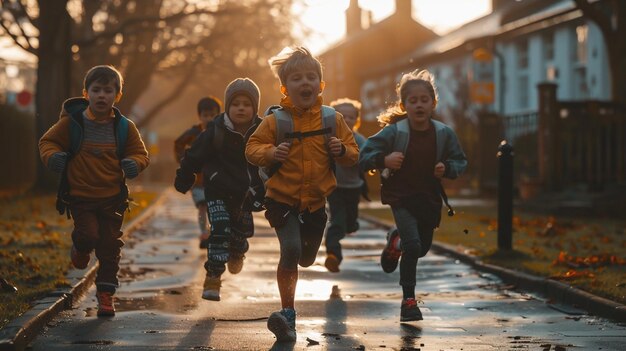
(305, 178)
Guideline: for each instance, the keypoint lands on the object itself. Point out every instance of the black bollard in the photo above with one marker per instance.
(505, 196)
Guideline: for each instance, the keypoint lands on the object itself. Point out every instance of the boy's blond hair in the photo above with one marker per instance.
(349, 102)
(291, 59)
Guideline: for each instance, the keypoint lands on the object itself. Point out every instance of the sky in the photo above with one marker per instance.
(327, 17)
(327, 20)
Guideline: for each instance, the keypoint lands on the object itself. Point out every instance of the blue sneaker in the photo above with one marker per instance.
(283, 325)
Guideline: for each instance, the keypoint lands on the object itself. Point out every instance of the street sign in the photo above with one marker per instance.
(482, 87)
(24, 98)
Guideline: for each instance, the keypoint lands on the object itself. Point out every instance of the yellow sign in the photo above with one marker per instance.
(482, 55)
(482, 92)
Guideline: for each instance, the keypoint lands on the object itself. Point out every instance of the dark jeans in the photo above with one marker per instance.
(97, 227)
(416, 237)
(343, 205)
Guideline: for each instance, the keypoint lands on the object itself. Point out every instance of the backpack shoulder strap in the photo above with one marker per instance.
(284, 124)
(76, 132)
(401, 141)
(121, 136)
(329, 120)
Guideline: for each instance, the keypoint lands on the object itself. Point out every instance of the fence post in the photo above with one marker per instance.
(547, 136)
(505, 196)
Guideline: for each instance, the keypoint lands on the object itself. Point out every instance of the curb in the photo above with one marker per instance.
(16, 335)
(553, 289)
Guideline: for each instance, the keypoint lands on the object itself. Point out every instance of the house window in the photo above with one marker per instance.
(548, 46)
(580, 86)
(523, 93)
(582, 33)
(522, 54)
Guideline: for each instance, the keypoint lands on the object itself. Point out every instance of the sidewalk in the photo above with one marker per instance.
(551, 288)
(160, 310)
(19, 332)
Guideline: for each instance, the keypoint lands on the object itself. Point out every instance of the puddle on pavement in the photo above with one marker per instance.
(173, 301)
(93, 342)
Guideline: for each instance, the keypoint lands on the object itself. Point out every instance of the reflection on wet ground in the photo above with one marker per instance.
(159, 304)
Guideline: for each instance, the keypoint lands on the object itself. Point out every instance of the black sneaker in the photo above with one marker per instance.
(391, 255)
(409, 311)
(283, 325)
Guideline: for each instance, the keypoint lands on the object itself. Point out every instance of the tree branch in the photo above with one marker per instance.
(5, 23)
(176, 92)
(144, 19)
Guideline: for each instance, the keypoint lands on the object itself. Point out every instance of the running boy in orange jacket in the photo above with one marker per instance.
(297, 191)
(96, 168)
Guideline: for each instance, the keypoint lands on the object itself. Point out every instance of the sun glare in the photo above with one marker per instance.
(326, 18)
(317, 289)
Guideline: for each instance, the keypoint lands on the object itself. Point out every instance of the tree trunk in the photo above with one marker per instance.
(53, 73)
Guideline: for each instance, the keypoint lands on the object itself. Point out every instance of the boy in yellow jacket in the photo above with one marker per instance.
(297, 191)
(96, 148)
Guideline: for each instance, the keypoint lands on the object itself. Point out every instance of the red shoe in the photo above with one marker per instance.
(391, 254)
(105, 304)
(409, 311)
(79, 260)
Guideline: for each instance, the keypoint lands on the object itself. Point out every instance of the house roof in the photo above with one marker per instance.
(388, 26)
(506, 20)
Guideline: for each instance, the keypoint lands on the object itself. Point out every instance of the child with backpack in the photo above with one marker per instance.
(343, 202)
(416, 152)
(230, 182)
(300, 160)
(96, 149)
(208, 108)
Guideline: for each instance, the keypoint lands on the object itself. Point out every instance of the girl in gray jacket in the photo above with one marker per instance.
(414, 153)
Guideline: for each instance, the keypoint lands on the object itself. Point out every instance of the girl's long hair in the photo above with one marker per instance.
(395, 112)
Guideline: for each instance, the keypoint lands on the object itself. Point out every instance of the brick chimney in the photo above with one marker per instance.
(353, 18)
(496, 4)
(404, 8)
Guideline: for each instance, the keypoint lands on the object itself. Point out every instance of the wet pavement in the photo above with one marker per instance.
(159, 305)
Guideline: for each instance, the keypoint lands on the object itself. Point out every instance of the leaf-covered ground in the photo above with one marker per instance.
(34, 249)
(589, 253)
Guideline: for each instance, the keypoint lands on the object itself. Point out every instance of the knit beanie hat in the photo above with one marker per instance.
(243, 86)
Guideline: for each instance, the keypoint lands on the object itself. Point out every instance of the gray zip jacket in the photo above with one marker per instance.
(381, 144)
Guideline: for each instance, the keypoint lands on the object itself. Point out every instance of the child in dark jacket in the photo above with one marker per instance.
(411, 180)
(208, 108)
(95, 171)
(229, 181)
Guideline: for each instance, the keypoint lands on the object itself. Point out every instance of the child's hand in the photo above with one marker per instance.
(394, 160)
(281, 152)
(440, 169)
(57, 162)
(334, 145)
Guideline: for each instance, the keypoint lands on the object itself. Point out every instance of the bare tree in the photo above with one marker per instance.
(610, 16)
(142, 38)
